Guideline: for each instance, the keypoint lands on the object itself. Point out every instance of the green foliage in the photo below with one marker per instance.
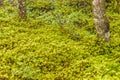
(57, 42)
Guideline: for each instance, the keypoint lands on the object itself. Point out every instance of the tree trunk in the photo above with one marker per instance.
(22, 8)
(1, 3)
(100, 19)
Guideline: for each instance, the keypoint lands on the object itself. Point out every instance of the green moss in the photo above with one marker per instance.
(58, 44)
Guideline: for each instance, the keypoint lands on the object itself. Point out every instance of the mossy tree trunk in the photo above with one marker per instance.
(101, 21)
(22, 8)
(1, 3)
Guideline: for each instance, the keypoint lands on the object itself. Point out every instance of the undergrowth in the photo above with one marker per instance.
(57, 44)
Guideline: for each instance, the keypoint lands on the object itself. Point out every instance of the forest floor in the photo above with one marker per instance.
(31, 51)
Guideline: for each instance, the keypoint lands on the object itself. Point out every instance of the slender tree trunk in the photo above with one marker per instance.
(1, 3)
(22, 8)
(100, 19)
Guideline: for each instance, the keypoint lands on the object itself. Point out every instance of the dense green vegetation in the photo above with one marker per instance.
(57, 41)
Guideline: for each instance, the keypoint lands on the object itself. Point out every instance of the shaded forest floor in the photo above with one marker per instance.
(32, 50)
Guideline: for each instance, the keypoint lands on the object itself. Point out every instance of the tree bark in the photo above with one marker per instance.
(100, 19)
(22, 8)
(1, 3)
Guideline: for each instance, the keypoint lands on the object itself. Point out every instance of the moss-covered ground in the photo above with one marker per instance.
(41, 49)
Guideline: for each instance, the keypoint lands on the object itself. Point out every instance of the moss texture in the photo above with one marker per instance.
(57, 42)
